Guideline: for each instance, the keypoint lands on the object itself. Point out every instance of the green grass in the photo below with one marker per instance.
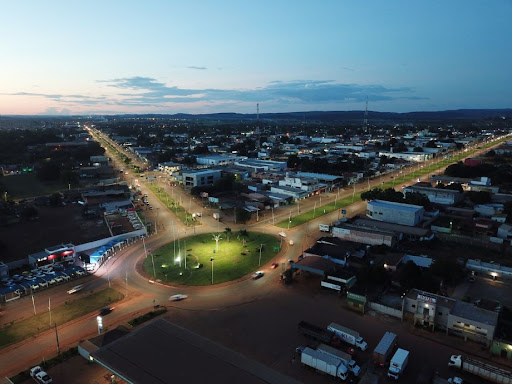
(406, 175)
(28, 185)
(233, 260)
(146, 317)
(174, 206)
(34, 325)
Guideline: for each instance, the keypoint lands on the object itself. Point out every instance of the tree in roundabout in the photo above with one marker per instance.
(210, 258)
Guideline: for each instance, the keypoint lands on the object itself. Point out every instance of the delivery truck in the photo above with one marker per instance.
(323, 363)
(348, 335)
(481, 369)
(398, 363)
(345, 357)
(384, 349)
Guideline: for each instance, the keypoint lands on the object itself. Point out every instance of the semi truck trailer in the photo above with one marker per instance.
(348, 335)
(317, 333)
(481, 369)
(384, 349)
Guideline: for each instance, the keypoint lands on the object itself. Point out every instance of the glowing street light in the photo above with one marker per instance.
(99, 320)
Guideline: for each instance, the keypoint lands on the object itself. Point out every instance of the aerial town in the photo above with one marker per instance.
(316, 247)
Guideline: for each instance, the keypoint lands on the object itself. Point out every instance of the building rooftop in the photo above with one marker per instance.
(472, 312)
(161, 352)
(383, 226)
(393, 205)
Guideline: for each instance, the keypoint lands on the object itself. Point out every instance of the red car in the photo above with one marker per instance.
(351, 351)
(274, 265)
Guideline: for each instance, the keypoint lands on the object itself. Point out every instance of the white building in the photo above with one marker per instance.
(216, 160)
(200, 178)
(408, 156)
(397, 213)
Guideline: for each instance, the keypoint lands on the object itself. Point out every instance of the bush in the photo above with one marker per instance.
(148, 316)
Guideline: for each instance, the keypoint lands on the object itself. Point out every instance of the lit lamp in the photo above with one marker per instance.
(99, 319)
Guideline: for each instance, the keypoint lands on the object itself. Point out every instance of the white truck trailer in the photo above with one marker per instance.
(345, 357)
(398, 363)
(479, 368)
(324, 363)
(348, 335)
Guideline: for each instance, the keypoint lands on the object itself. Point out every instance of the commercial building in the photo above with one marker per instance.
(255, 165)
(365, 235)
(200, 178)
(436, 195)
(454, 316)
(216, 160)
(162, 352)
(416, 157)
(397, 213)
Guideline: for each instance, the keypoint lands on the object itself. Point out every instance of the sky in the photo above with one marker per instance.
(116, 57)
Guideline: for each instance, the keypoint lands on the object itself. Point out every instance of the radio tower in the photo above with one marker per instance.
(365, 120)
(257, 111)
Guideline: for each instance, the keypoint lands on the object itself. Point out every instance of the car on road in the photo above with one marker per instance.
(471, 278)
(178, 297)
(274, 265)
(75, 289)
(256, 275)
(105, 311)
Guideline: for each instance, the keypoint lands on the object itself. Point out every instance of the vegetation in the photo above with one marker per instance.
(174, 206)
(188, 261)
(390, 194)
(36, 324)
(45, 364)
(146, 317)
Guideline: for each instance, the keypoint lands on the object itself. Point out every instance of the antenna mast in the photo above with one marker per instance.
(365, 120)
(257, 111)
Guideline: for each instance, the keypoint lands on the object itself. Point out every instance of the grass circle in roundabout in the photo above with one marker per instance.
(236, 255)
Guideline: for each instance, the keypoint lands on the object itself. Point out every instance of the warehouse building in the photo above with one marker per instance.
(396, 213)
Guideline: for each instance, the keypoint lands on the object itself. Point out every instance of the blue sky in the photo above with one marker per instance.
(109, 57)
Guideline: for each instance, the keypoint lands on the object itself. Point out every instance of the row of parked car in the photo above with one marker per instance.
(43, 277)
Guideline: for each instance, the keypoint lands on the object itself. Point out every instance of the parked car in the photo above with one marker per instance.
(471, 278)
(257, 275)
(59, 279)
(43, 284)
(178, 297)
(34, 286)
(75, 289)
(40, 376)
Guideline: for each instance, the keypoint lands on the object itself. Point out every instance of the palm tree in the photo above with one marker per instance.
(227, 231)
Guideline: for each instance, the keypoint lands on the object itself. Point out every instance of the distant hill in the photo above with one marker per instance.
(458, 114)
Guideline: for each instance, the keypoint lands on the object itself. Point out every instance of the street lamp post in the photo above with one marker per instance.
(211, 259)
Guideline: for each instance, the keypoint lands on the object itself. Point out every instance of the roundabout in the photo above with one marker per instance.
(210, 258)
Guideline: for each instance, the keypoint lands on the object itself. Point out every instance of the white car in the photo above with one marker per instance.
(40, 376)
(75, 289)
(178, 297)
(256, 275)
(34, 286)
(59, 279)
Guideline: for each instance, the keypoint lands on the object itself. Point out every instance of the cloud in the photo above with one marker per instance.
(147, 92)
(196, 67)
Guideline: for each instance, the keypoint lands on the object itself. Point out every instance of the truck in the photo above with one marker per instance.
(398, 363)
(318, 333)
(324, 228)
(479, 368)
(384, 349)
(348, 335)
(343, 356)
(40, 376)
(324, 362)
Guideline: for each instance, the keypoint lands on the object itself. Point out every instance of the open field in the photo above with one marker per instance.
(232, 260)
(28, 185)
(71, 310)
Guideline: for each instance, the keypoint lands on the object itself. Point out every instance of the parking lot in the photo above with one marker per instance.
(483, 288)
(28, 282)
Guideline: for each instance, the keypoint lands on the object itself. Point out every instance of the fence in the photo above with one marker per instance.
(386, 310)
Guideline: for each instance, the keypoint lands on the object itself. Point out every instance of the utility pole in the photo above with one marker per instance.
(57, 337)
(261, 247)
